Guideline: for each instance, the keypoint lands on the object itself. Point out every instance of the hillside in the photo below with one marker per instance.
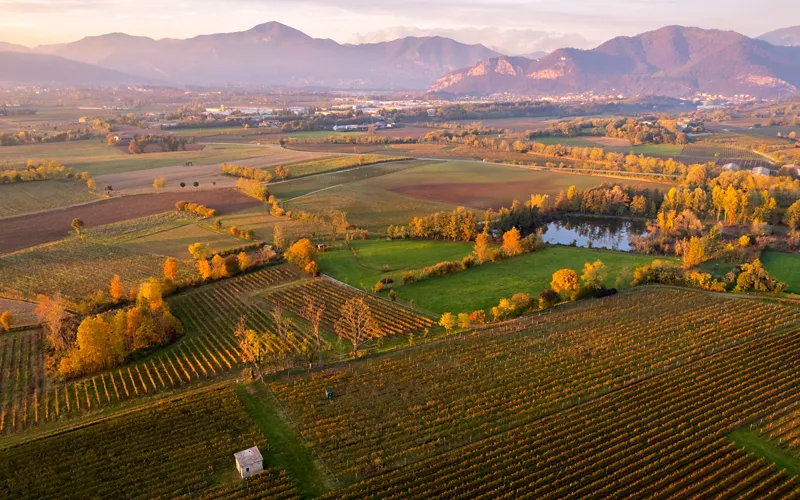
(786, 36)
(273, 54)
(43, 69)
(673, 61)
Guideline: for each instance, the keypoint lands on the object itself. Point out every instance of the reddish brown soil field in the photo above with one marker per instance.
(30, 230)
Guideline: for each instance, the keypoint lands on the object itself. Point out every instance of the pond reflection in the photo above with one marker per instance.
(593, 232)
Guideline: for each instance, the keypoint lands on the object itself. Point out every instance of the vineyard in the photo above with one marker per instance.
(169, 449)
(395, 410)
(392, 319)
(76, 268)
(665, 436)
(722, 154)
(208, 350)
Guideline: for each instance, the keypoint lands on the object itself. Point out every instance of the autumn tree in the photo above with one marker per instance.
(482, 249)
(282, 172)
(244, 261)
(792, 216)
(53, 317)
(594, 274)
(159, 183)
(337, 220)
(695, 253)
(6, 320)
(448, 321)
(565, 282)
(77, 225)
(512, 242)
(218, 268)
(151, 295)
(116, 290)
(204, 269)
(198, 250)
(355, 322)
(463, 320)
(171, 268)
(302, 253)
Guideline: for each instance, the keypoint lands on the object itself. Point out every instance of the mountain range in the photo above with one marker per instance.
(672, 61)
(786, 36)
(273, 54)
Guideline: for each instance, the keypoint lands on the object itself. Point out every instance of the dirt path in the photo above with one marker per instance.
(30, 230)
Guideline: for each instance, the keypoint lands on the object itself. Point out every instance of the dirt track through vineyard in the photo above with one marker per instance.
(30, 230)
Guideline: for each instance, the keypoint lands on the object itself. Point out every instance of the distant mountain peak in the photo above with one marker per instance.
(788, 37)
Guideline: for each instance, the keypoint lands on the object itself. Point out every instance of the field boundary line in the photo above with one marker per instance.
(313, 192)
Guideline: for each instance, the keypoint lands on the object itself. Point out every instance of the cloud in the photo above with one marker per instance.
(509, 41)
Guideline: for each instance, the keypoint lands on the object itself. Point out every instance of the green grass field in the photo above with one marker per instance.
(334, 163)
(657, 149)
(378, 259)
(100, 158)
(753, 442)
(783, 267)
(482, 287)
(27, 197)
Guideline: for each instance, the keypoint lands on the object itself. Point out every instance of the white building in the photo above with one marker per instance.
(731, 167)
(762, 171)
(249, 462)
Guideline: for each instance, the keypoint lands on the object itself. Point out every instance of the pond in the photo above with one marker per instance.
(612, 234)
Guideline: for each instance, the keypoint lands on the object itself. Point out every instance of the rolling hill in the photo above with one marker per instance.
(673, 61)
(273, 54)
(789, 37)
(43, 69)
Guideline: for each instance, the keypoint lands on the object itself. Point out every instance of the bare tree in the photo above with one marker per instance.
(355, 323)
(282, 325)
(252, 347)
(313, 313)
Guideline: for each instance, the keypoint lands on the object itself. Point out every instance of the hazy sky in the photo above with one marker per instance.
(513, 25)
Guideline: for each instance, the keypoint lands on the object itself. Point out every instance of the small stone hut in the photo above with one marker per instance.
(249, 462)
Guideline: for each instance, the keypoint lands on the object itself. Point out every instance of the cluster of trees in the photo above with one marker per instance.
(219, 267)
(253, 188)
(42, 171)
(247, 234)
(196, 208)
(748, 277)
(76, 348)
(644, 130)
(256, 174)
(459, 225)
(335, 220)
(138, 144)
(31, 137)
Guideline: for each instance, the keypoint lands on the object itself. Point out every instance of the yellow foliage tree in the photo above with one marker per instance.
(151, 294)
(302, 253)
(218, 267)
(448, 321)
(512, 244)
(482, 250)
(463, 320)
(204, 268)
(171, 269)
(594, 273)
(117, 291)
(695, 253)
(565, 282)
(244, 261)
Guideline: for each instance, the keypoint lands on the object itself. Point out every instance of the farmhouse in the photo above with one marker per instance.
(731, 167)
(249, 462)
(122, 139)
(762, 171)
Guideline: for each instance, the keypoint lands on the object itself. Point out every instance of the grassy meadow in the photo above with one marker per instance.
(783, 267)
(480, 287)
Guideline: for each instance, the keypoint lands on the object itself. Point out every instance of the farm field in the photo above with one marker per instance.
(479, 185)
(183, 446)
(25, 197)
(175, 242)
(99, 158)
(22, 312)
(721, 154)
(379, 259)
(294, 188)
(482, 287)
(569, 384)
(670, 150)
(784, 267)
(332, 164)
(259, 220)
(36, 229)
